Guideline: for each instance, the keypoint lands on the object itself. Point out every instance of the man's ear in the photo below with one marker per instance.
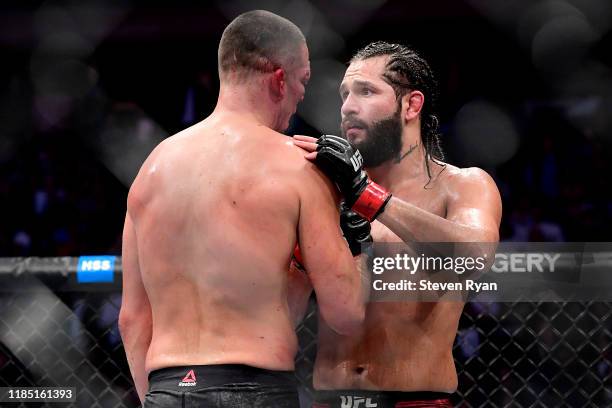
(277, 83)
(412, 103)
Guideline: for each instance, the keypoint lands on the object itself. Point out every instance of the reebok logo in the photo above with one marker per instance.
(356, 160)
(189, 380)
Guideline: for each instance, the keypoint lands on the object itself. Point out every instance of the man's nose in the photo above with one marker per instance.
(349, 106)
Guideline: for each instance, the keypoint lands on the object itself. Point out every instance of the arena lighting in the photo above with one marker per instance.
(58, 316)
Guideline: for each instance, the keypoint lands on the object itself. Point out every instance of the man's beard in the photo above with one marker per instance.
(383, 140)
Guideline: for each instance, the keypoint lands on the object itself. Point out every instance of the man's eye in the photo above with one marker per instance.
(366, 92)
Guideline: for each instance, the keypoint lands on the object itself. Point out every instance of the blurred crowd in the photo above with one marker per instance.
(63, 190)
(86, 92)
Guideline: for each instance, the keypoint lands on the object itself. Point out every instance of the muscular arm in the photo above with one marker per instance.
(473, 213)
(327, 258)
(135, 314)
(298, 293)
(300, 288)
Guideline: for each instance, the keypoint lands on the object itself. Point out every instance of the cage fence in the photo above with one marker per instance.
(58, 327)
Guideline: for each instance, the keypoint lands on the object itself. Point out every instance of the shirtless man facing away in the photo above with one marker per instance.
(404, 357)
(213, 217)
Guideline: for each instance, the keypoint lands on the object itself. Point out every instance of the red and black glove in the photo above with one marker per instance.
(297, 260)
(356, 230)
(343, 164)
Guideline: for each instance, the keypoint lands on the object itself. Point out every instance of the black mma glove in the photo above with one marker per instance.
(343, 164)
(356, 229)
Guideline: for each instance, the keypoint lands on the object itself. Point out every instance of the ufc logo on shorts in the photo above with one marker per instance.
(356, 160)
(348, 401)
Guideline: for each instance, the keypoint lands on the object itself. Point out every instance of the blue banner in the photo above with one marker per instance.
(96, 269)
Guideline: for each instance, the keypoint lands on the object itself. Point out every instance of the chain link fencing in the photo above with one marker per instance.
(55, 331)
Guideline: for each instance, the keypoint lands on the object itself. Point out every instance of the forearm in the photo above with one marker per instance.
(413, 224)
(361, 261)
(299, 289)
(136, 341)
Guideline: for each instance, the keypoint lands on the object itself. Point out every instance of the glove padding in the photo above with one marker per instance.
(343, 164)
(356, 229)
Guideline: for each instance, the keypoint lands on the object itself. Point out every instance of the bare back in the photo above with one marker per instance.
(215, 210)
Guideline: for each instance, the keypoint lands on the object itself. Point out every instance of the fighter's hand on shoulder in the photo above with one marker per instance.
(356, 229)
(343, 164)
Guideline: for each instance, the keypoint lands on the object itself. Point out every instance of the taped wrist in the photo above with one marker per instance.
(372, 201)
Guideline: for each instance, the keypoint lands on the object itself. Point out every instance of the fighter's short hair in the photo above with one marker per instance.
(259, 41)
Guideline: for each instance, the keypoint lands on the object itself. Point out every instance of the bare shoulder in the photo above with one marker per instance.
(158, 151)
(173, 145)
(472, 191)
(135, 198)
(457, 179)
(283, 145)
(310, 179)
(169, 151)
(288, 163)
(138, 190)
(288, 155)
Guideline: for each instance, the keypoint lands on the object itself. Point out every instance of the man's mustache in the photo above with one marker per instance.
(352, 122)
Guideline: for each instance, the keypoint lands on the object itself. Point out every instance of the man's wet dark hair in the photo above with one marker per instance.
(407, 71)
(259, 41)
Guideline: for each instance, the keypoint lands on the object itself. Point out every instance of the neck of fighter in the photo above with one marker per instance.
(248, 100)
(410, 163)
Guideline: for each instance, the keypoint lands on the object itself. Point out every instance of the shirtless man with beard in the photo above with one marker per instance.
(403, 358)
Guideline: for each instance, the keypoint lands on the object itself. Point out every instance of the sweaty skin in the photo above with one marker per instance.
(213, 218)
(405, 346)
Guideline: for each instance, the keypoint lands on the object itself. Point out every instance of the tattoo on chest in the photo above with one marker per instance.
(410, 150)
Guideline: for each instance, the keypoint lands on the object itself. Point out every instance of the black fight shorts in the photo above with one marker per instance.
(220, 386)
(380, 399)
